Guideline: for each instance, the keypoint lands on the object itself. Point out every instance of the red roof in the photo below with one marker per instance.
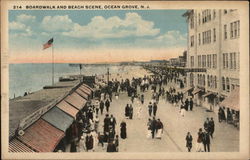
(42, 136)
(76, 100)
(88, 87)
(233, 100)
(67, 108)
(85, 89)
(17, 146)
(83, 94)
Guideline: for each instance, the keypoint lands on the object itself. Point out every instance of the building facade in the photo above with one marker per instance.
(213, 44)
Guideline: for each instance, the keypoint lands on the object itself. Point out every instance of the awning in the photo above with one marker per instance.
(233, 100)
(85, 89)
(67, 108)
(58, 118)
(76, 100)
(42, 136)
(196, 90)
(88, 87)
(184, 90)
(208, 94)
(81, 93)
(16, 146)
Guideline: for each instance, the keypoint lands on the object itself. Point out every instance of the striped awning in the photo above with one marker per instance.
(42, 136)
(76, 100)
(88, 87)
(16, 146)
(85, 89)
(233, 100)
(66, 107)
(196, 90)
(81, 93)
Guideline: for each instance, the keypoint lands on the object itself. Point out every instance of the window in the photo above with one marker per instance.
(223, 60)
(192, 22)
(214, 11)
(199, 61)
(234, 60)
(228, 85)
(226, 60)
(231, 60)
(203, 61)
(223, 84)
(199, 39)
(225, 31)
(192, 61)
(204, 80)
(199, 16)
(238, 28)
(225, 11)
(235, 29)
(215, 82)
(214, 35)
(192, 41)
(208, 80)
(214, 60)
(231, 30)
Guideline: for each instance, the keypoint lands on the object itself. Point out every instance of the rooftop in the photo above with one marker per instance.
(21, 107)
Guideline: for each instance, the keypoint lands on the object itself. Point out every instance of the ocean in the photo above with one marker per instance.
(30, 77)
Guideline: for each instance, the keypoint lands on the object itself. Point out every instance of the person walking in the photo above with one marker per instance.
(117, 143)
(182, 110)
(150, 107)
(206, 141)
(189, 140)
(191, 103)
(142, 99)
(101, 106)
(97, 106)
(149, 130)
(89, 142)
(153, 127)
(186, 104)
(107, 105)
(139, 110)
(112, 121)
(106, 123)
(154, 109)
(211, 127)
(159, 129)
(206, 125)
(127, 111)
(131, 111)
(199, 141)
(123, 130)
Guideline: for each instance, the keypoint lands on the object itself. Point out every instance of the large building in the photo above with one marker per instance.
(213, 45)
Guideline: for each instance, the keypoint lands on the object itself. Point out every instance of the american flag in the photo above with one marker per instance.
(48, 44)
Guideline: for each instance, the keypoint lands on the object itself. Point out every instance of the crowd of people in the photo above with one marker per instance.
(92, 134)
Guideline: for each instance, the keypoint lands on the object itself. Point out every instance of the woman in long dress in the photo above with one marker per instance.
(149, 130)
(127, 111)
(123, 133)
(183, 110)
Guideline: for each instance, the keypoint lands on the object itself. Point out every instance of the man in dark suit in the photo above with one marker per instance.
(191, 103)
(206, 141)
(186, 104)
(106, 123)
(154, 109)
(153, 127)
(211, 127)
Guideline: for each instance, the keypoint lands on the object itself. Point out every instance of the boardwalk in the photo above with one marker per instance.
(226, 137)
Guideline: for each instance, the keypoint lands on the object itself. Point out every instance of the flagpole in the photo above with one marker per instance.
(52, 64)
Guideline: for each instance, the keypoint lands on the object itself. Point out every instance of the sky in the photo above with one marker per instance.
(94, 36)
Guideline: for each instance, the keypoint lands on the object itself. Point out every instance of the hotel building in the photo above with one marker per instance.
(213, 46)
